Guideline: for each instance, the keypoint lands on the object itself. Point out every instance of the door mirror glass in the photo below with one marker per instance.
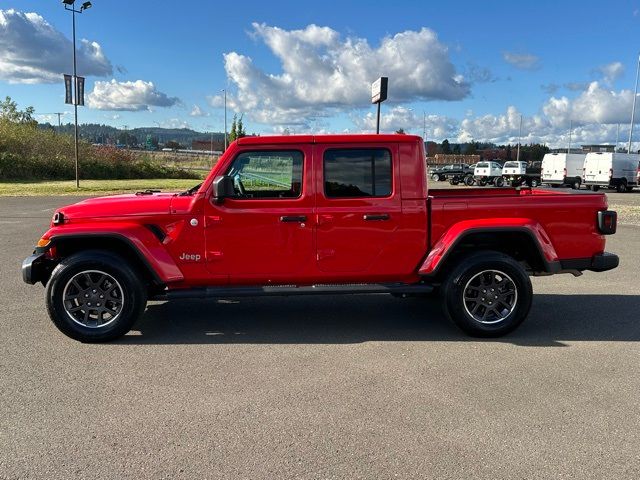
(223, 188)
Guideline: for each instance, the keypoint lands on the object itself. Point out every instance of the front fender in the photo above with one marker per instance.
(457, 232)
(139, 238)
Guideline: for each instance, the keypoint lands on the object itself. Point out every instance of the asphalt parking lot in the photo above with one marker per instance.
(340, 387)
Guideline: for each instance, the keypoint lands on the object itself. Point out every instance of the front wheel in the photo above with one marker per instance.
(533, 183)
(469, 181)
(488, 294)
(94, 296)
(499, 182)
(575, 185)
(621, 187)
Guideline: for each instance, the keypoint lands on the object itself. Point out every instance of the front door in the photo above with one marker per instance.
(359, 211)
(264, 234)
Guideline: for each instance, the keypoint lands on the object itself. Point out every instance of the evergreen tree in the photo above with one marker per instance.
(446, 148)
(240, 128)
(233, 134)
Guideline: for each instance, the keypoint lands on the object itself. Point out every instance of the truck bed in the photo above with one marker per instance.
(568, 217)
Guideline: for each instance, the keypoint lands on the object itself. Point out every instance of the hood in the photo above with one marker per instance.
(120, 205)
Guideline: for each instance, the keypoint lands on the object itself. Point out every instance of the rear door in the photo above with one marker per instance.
(358, 208)
(603, 171)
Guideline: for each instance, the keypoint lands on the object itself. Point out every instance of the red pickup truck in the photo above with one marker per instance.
(333, 214)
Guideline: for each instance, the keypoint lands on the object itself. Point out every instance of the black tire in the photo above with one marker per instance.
(435, 178)
(595, 188)
(575, 185)
(499, 182)
(469, 181)
(533, 183)
(453, 182)
(460, 282)
(588, 187)
(95, 273)
(482, 182)
(621, 187)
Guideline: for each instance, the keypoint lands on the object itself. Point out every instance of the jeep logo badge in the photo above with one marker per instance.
(188, 257)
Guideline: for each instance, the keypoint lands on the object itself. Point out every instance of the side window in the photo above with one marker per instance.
(267, 174)
(361, 172)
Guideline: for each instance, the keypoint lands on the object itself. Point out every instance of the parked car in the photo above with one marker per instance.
(488, 172)
(563, 169)
(611, 170)
(447, 172)
(310, 215)
(521, 173)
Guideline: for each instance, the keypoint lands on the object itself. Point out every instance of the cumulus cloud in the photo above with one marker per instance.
(594, 105)
(611, 72)
(522, 61)
(32, 51)
(128, 96)
(323, 72)
(196, 111)
(400, 117)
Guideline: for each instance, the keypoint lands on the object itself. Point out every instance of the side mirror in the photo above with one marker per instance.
(222, 188)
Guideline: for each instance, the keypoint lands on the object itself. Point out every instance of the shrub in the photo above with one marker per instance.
(29, 153)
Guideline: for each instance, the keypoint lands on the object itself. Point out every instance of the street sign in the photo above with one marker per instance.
(68, 96)
(379, 90)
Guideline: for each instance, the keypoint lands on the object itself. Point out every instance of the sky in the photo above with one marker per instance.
(463, 70)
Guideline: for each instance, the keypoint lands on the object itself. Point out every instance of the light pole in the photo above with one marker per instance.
(225, 117)
(633, 108)
(519, 138)
(69, 5)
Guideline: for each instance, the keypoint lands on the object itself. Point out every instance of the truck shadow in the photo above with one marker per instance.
(554, 320)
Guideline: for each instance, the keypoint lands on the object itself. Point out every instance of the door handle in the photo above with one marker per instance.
(294, 218)
(371, 218)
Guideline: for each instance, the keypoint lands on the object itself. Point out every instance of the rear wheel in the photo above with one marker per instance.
(482, 182)
(595, 188)
(499, 182)
(469, 181)
(621, 187)
(95, 296)
(534, 182)
(488, 294)
(575, 184)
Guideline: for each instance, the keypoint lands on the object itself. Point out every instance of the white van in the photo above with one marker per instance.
(488, 172)
(611, 170)
(563, 169)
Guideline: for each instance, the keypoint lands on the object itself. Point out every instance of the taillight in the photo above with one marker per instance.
(638, 175)
(607, 222)
(564, 172)
(611, 173)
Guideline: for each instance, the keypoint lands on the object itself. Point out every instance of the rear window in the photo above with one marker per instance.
(361, 172)
(511, 164)
(482, 165)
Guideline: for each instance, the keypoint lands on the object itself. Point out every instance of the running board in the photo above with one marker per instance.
(286, 290)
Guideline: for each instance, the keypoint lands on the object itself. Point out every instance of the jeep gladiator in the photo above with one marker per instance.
(331, 214)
